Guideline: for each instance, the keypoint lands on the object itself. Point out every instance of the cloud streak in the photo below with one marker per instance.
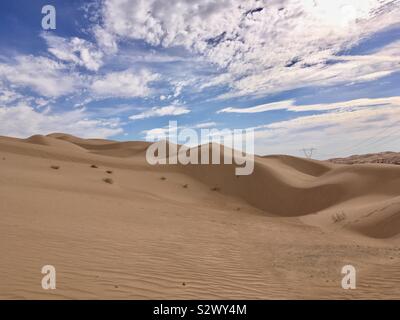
(172, 110)
(75, 50)
(290, 105)
(124, 84)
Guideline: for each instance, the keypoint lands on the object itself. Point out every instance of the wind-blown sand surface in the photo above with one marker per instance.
(161, 232)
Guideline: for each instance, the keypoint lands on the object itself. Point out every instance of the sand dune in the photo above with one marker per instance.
(194, 231)
(105, 147)
(56, 143)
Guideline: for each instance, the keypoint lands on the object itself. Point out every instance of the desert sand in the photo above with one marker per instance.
(191, 232)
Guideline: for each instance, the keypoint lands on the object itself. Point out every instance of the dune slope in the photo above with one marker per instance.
(195, 231)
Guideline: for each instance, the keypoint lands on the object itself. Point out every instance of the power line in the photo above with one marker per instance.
(369, 141)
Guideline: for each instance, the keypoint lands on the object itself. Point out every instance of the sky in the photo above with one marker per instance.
(317, 74)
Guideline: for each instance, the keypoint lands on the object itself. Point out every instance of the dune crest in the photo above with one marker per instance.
(55, 143)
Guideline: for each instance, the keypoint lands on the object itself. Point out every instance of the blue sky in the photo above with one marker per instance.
(303, 74)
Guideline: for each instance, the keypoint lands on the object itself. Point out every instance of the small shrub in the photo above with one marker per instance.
(215, 189)
(108, 180)
(94, 166)
(338, 217)
(55, 167)
(185, 186)
(109, 171)
(163, 178)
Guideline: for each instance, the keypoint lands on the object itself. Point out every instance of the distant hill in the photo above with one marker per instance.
(382, 157)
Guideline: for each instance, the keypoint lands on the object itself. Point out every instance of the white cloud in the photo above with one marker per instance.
(23, 121)
(172, 110)
(357, 103)
(43, 75)
(280, 105)
(105, 40)
(157, 133)
(75, 50)
(340, 70)
(8, 96)
(205, 125)
(124, 84)
(263, 46)
(290, 105)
